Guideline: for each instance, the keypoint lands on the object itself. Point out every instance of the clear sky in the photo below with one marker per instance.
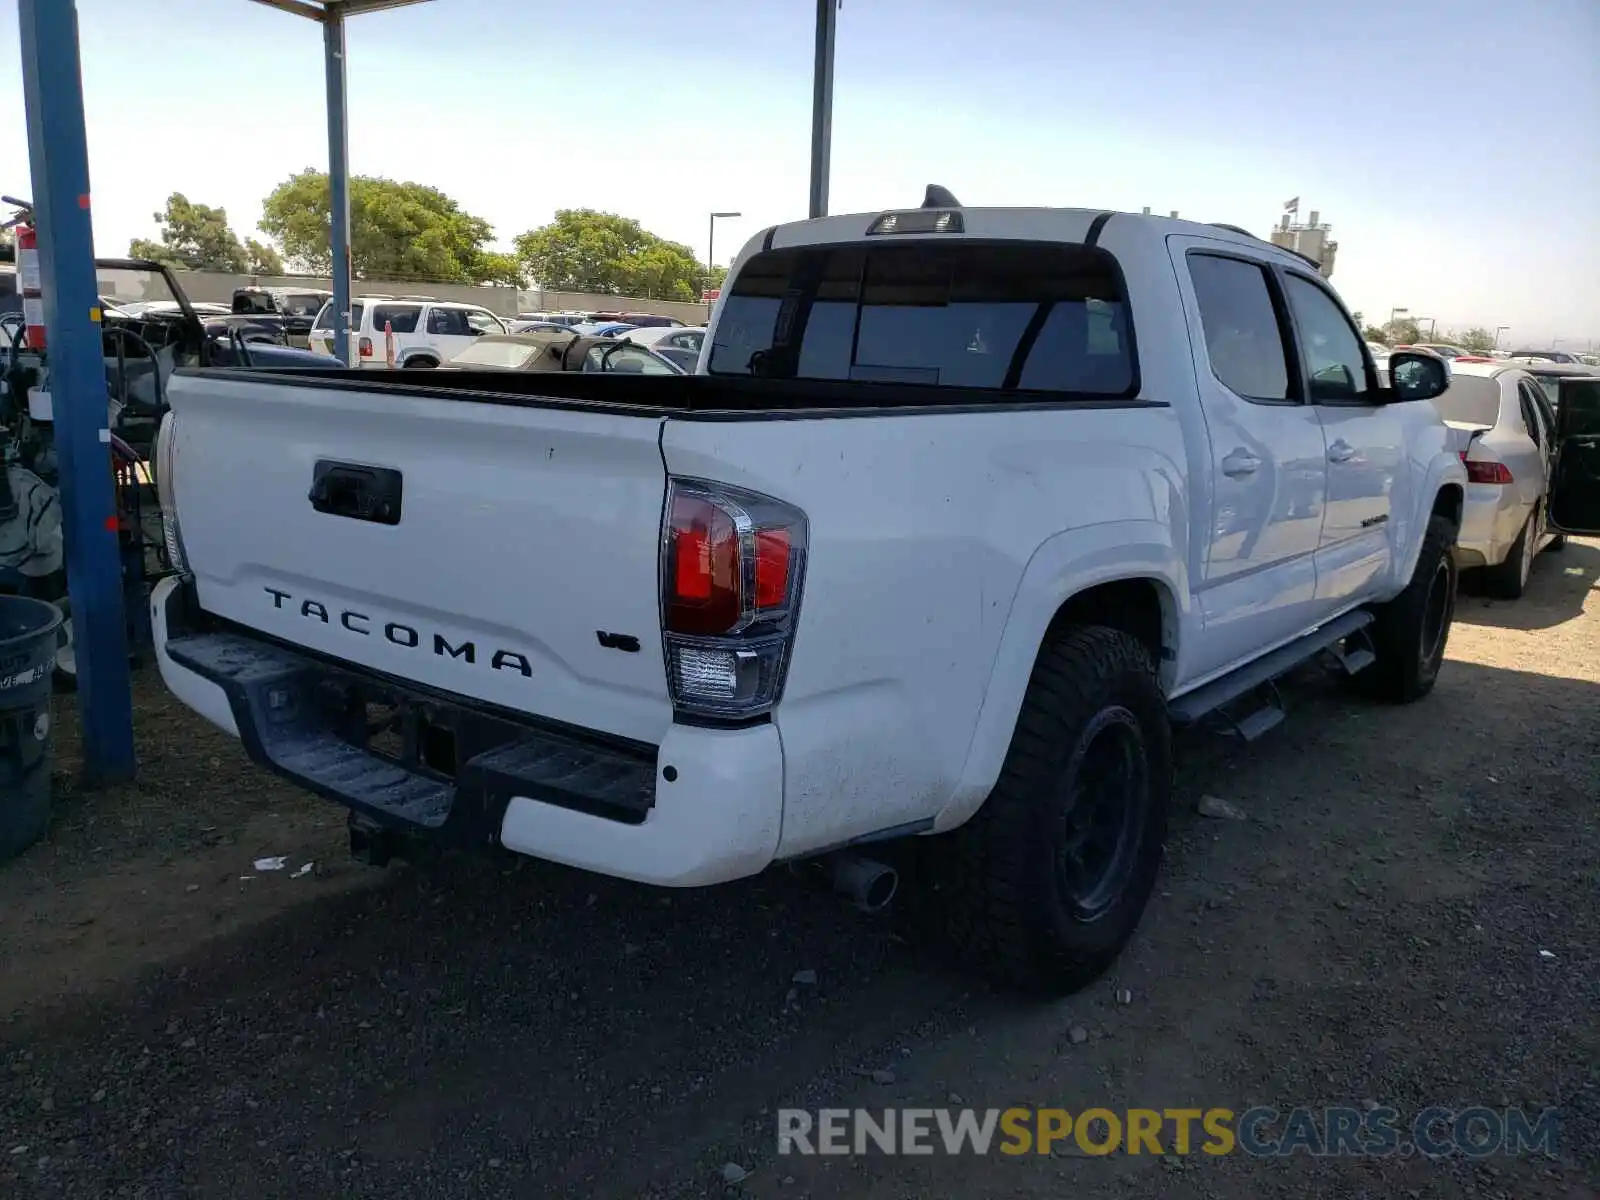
(1453, 144)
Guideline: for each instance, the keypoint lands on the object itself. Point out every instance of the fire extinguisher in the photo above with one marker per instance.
(31, 284)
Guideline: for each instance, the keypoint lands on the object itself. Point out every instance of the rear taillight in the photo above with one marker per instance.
(732, 563)
(364, 347)
(1485, 472)
(166, 459)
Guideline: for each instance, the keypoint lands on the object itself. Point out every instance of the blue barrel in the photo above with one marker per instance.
(27, 662)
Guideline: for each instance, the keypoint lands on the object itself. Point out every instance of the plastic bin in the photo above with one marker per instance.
(27, 738)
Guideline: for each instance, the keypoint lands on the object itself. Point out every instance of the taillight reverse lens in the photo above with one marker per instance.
(364, 347)
(731, 572)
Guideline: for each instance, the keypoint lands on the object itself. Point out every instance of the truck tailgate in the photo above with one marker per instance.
(522, 570)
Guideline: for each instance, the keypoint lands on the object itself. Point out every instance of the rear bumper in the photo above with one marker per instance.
(1489, 524)
(704, 807)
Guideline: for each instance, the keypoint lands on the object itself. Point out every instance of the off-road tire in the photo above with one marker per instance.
(1406, 668)
(1508, 580)
(1006, 906)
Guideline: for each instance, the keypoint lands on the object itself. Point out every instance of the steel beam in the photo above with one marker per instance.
(822, 105)
(338, 180)
(52, 88)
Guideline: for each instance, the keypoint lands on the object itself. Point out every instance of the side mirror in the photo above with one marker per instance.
(1417, 376)
(1575, 480)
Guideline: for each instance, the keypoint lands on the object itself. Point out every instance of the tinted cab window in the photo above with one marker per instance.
(1006, 317)
(1244, 340)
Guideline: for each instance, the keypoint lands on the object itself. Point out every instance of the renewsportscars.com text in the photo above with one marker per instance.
(1261, 1132)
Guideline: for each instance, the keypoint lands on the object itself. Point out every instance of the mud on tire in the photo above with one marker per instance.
(1044, 886)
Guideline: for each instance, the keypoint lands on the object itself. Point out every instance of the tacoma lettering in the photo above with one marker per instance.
(407, 637)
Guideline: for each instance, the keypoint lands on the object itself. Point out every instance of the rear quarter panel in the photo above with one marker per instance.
(923, 529)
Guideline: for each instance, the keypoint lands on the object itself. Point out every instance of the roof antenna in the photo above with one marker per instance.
(939, 197)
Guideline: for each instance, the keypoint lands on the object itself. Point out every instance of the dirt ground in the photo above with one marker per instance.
(1406, 916)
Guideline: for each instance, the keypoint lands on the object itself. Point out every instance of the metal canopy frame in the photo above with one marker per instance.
(331, 15)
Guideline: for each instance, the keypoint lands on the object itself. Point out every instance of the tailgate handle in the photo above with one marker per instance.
(360, 493)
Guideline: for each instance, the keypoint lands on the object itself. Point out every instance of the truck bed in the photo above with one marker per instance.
(713, 396)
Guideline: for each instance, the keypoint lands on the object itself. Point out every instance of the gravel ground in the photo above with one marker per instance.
(1370, 931)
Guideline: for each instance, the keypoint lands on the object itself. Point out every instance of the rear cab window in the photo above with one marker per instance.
(993, 316)
(1471, 400)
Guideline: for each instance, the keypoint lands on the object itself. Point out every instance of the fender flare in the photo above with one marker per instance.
(1444, 468)
(1064, 565)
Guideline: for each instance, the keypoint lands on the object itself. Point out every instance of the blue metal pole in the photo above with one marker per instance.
(338, 178)
(52, 88)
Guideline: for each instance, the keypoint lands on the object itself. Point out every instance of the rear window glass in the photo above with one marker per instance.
(1472, 399)
(401, 317)
(999, 317)
(301, 304)
(325, 316)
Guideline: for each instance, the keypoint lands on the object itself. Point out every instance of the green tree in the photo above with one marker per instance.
(1477, 339)
(194, 236)
(398, 230)
(264, 260)
(714, 277)
(1403, 332)
(1373, 334)
(587, 251)
(495, 267)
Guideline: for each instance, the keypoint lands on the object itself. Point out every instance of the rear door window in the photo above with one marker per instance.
(1244, 340)
(1000, 317)
(402, 318)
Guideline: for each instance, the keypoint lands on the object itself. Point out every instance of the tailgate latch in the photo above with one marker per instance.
(358, 492)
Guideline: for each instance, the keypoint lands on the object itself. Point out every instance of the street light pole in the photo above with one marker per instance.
(822, 105)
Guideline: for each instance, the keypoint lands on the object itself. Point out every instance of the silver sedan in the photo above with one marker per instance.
(1506, 425)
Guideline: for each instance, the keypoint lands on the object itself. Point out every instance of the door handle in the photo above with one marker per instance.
(1341, 451)
(1240, 462)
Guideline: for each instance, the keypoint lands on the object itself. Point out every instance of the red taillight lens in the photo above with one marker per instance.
(703, 567)
(364, 347)
(732, 566)
(1485, 472)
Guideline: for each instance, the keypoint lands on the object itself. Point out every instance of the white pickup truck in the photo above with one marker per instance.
(964, 510)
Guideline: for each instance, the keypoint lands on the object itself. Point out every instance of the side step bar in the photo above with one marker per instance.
(1202, 702)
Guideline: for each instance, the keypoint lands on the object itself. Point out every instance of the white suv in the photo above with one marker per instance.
(426, 332)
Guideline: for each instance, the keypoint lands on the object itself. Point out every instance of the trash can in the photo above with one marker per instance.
(27, 662)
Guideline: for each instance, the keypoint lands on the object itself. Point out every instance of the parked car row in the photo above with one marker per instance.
(1505, 408)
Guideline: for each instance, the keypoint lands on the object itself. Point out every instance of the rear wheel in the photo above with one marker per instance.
(1409, 632)
(1045, 885)
(413, 363)
(1509, 579)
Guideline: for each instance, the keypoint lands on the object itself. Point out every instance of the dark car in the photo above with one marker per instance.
(549, 351)
(291, 309)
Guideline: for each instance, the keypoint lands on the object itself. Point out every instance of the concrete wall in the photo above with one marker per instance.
(216, 288)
